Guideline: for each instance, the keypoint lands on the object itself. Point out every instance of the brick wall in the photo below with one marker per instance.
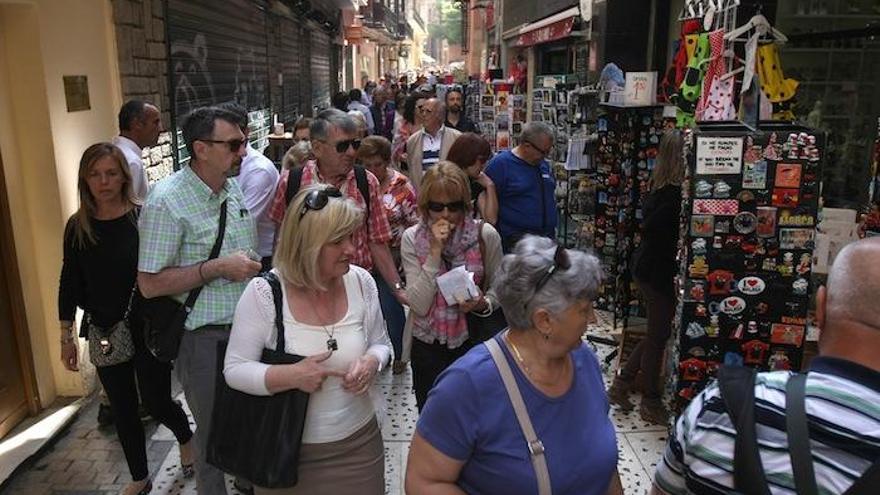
(143, 70)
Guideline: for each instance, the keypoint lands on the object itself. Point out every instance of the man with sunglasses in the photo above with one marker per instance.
(334, 145)
(178, 226)
(525, 185)
(431, 144)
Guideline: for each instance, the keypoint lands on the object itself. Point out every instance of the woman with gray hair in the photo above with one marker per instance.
(477, 445)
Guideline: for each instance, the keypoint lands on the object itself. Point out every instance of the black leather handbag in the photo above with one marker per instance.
(165, 317)
(483, 327)
(255, 437)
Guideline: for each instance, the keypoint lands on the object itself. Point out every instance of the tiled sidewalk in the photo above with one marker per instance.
(88, 459)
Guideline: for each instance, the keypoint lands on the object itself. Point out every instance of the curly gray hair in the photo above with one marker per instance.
(520, 272)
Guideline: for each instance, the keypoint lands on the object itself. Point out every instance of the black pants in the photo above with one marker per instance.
(154, 381)
(428, 361)
(647, 355)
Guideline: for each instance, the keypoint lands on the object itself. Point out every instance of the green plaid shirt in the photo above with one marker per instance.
(178, 226)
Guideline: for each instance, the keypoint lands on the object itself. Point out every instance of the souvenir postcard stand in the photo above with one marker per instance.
(578, 181)
(626, 153)
(747, 238)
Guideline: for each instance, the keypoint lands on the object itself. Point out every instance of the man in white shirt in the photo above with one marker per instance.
(257, 179)
(355, 96)
(139, 126)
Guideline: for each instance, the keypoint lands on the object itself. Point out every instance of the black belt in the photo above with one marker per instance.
(227, 327)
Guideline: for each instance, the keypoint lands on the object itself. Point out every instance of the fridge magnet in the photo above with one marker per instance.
(766, 226)
(720, 282)
(733, 305)
(769, 265)
(779, 361)
(788, 175)
(696, 291)
(716, 207)
(713, 328)
(786, 269)
(745, 222)
(736, 333)
(787, 334)
(699, 268)
(700, 311)
(792, 218)
(721, 190)
(796, 239)
(794, 320)
(785, 197)
(753, 152)
(751, 286)
(755, 175)
(722, 227)
(694, 330)
(804, 264)
(699, 246)
(755, 351)
(702, 225)
(719, 155)
(746, 199)
(799, 287)
(703, 189)
(692, 369)
(773, 150)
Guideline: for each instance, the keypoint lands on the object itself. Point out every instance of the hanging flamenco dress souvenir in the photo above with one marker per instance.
(775, 85)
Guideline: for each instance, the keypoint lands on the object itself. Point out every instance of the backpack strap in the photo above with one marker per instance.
(798, 433)
(294, 177)
(737, 385)
(867, 484)
(363, 185)
(278, 298)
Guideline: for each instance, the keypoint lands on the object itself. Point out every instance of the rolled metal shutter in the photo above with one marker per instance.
(321, 71)
(218, 54)
(295, 95)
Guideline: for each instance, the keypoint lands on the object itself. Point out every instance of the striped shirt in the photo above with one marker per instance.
(431, 149)
(178, 226)
(843, 411)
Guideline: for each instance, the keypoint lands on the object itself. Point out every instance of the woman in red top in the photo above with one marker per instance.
(399, 200)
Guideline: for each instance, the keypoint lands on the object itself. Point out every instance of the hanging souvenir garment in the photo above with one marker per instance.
(714, 69)
(675, 73)
(719, 101)
(778, 89)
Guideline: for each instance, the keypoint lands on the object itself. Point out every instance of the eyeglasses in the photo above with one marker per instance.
(538, 148)
(317, 200)
(234, 144)
(453, 207)
(560, 262)
(342, 146)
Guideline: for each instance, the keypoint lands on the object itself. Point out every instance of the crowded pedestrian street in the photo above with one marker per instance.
(488, 247)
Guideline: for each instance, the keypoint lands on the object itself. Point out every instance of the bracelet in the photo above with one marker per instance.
(201, 275)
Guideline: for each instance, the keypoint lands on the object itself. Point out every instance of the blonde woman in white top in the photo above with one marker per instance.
(331, 314)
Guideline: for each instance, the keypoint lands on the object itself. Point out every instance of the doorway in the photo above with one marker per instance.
(17, 383)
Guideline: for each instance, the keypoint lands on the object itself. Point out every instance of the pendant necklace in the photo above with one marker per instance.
(332, 345)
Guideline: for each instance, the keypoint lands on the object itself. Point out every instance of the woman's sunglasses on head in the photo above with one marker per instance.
(317, 200)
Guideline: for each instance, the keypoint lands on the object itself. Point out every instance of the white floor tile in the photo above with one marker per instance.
(400, 418)
(648, 447)
(633, 476)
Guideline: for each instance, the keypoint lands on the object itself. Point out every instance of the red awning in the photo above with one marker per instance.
(551, 32)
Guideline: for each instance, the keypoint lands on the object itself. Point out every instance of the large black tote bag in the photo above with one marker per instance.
(258, 438)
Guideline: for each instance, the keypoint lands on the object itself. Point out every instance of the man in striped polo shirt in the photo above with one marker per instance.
(842, 399)
(430, 144)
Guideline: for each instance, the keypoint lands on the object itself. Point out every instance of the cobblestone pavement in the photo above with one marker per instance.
(87, 459)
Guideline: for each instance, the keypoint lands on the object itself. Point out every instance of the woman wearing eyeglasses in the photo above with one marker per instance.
(447, 237)
(332, 315)
(468, 438)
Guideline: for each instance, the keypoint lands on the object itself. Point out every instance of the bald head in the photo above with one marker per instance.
(853, 292)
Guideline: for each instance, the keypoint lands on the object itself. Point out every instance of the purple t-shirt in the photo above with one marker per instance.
(469, 417)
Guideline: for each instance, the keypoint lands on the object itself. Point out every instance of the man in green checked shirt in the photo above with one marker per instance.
(178, 226)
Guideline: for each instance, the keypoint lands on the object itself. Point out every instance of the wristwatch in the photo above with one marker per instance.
(399, 285)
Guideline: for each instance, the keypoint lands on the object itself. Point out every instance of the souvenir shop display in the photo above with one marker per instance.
(500, 113)
(724, 72)
(577, 182)
(748, 233)
(628, 140)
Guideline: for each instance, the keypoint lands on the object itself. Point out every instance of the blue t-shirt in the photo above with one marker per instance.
(524, 207)
(469, 417)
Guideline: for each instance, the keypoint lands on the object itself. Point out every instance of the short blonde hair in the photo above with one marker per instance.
(302, 236)
(297, 155)
(444, 177)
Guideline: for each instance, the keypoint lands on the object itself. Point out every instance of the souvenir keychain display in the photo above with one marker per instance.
(625, 155)
(748, 227)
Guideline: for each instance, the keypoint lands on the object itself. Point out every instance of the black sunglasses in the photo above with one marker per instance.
(234, 144)
(560, 262)
(342, 146)
(317, 200)
(454, 206)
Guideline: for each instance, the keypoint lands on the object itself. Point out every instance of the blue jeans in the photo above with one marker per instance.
(393, 313)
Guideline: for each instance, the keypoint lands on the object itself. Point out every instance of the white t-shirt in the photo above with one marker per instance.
(135, 161)
(257, 180)
(333, 413)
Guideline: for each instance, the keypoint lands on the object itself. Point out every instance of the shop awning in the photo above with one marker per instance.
(552, 28)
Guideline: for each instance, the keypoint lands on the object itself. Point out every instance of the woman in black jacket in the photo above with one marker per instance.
(98, 275)
(654, 268)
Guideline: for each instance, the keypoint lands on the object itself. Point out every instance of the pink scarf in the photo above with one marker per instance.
(446, 323)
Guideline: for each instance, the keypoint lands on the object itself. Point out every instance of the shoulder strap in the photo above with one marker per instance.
(482, 255)
(867, 484)
(363, 185)
(278, 298)
(798, 433)
(215, 251)
(737, 384)
(536, 448)
(294, 177)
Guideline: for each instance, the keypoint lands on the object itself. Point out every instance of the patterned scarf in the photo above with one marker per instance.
(446, 323)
